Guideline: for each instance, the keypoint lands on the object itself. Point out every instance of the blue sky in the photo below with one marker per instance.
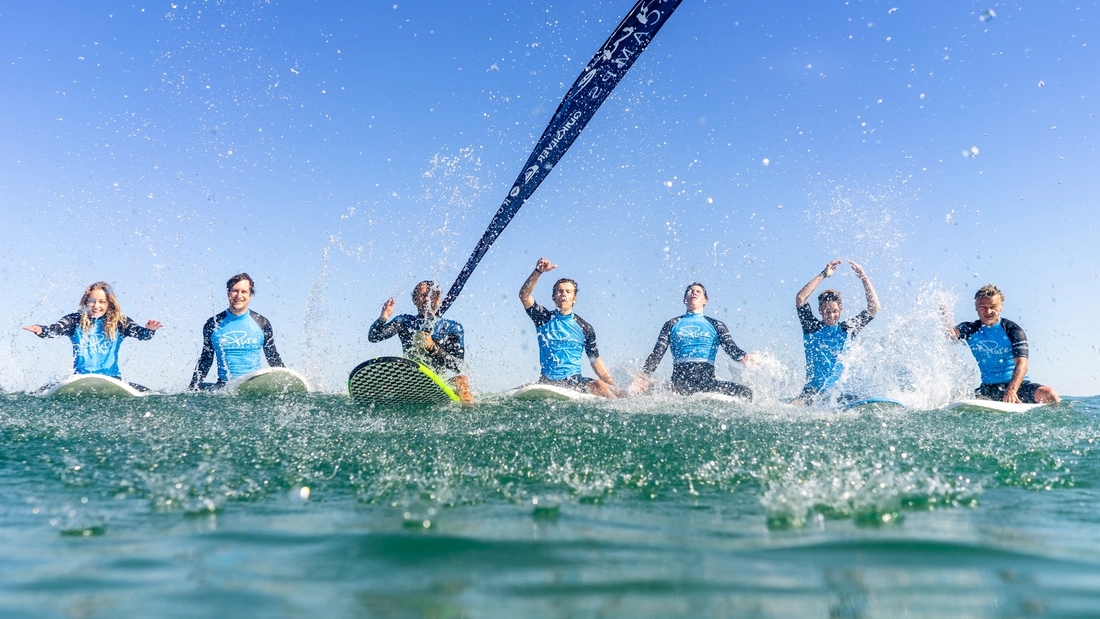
(341, 152)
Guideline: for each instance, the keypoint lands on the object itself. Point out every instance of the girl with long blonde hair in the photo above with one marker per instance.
(96, 331)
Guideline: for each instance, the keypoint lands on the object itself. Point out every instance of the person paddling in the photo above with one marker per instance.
(238, 338)
(694, 339)
(1000, 348)
(824, 340)
(563, 337)
(438, 343)
(96, 331)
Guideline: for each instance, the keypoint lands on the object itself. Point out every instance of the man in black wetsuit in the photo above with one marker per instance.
(1000, 348)
(438, 343)
(694, 339)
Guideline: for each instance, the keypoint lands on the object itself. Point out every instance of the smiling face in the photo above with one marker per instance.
(989, 310)
(96, 304)
(239, 297)
(695, 298)
(830, 312)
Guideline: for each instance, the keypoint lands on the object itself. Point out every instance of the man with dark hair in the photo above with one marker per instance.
(235, 338)
(694, 339)
(825, 339)
(563, 336)
(1000, 348)
(438, 343)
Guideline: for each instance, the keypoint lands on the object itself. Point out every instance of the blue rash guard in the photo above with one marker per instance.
(824, 344)
(562, 339)
(93, 351)
(449, 338)
(694, 339)
(236, 342)
(995, 348)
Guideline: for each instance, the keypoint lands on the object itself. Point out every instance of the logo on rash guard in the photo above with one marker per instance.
(237, 339)
(95, 343)
(990, 346)
(692, 332)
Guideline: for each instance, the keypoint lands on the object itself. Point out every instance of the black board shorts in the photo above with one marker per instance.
(698, 377)
(1026, 392)
(575, 382)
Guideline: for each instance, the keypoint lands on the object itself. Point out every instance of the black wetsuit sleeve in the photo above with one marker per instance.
(855, 324)
(1016, 336)
(206, 358)
(728, 345)
(134, 330)
(272, 354)
(382, 330)
(966, 329)
(539, 315)
(659, 348)
(64, 327)
(589, 339)
(810, 323)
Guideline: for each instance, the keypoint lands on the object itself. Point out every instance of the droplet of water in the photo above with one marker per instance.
(987, 15)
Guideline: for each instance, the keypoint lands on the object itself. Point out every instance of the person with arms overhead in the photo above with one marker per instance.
(96, 332)
(694, 339)
(563, 337)
(235, 338)
(438, 343)
(824, 340)
(1000, 348)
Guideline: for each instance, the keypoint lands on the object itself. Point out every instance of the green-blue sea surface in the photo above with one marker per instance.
(310, 507)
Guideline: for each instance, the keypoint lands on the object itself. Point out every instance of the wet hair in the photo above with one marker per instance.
(433, 287)
(114, 314)
(238, 278)
(989, 291)
(565, 280)
(693, 284)
(829, 296)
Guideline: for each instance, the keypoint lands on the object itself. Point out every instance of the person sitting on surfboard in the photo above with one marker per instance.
(96, 331)
(235, 337)
(825, 339)
(563, 336)
(1000, 348)
(695, 339)
(438, 343)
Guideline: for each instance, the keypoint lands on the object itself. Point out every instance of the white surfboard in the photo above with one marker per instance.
(547, 392)
(992, 406)
(717, 397)
(872, 403)
(91, 385)
(268, 382)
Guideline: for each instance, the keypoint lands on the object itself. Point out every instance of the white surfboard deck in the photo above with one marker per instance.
(547, 392)
(270, 381)
(717, 397)
(872, 403)
(92, 385)
(993, 406)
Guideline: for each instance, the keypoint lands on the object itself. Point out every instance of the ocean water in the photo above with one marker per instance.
(310, 507)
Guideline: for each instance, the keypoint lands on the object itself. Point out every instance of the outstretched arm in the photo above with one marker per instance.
(808, 289)
(528, 287)
(873, 305)
(66, 326)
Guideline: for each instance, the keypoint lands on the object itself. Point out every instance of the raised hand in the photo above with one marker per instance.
(153, 325)
(35, 329)
(387, 309)
(831, 267)
(857, 268)
(543, 265)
